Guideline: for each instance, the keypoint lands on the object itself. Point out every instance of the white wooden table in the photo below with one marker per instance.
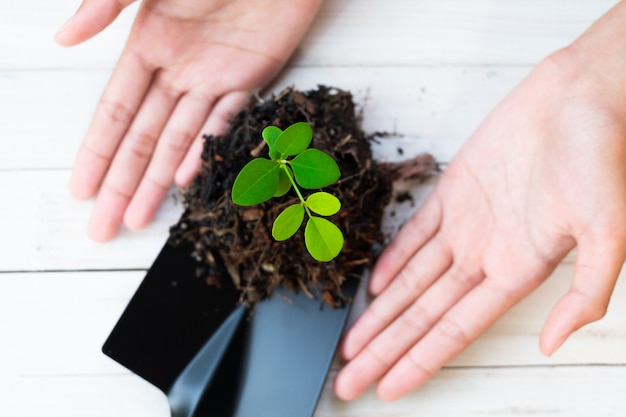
(430, 69)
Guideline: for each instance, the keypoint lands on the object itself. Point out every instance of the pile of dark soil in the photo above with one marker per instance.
(235, 241)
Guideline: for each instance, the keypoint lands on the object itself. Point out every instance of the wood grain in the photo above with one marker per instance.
(427, 71)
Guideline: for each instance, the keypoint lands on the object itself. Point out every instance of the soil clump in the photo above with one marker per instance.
(236, 242)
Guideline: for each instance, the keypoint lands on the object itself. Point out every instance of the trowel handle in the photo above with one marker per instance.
(186, 393)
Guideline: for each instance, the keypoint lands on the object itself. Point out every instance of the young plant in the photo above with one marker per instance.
(293, 164)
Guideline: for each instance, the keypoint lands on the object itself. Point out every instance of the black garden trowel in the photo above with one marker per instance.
(212, 358)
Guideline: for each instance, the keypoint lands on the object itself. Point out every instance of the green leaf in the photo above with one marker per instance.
(322, 203)
(270, 134)
(323, 239)
(314, 169)
(284, 184)
(256, 182)
(288, 222)
(295, 139)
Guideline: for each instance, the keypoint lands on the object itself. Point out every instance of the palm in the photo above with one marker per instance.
(507, 209)
(212, 48)
(186, 67)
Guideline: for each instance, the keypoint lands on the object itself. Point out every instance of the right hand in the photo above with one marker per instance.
(187, 66)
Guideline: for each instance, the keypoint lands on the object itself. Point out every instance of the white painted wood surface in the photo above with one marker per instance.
(429, 70)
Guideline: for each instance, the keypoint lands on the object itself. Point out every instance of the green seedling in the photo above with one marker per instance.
(293, 164)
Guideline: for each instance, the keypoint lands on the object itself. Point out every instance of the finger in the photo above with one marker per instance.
(597, 268)
(456, 330)
(181, 129)
(130, 162)
(417, 276)
(413, 235)
(396, 339)
(90, 19)
(216, 124)
(114, 114)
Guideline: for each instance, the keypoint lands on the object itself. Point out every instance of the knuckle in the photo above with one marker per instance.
(97, 151)
(596, 311)
(116, 112)
(381, 359)
(166, 87)
(163, 181)
(593, 308)
(408, 278)
(417, 319)
(376, 315)
(419, 227)
(121, 4)
(453, 331)
(140, 144)
(160, 176)
(465, 280)
(178, 141)
(118, 189)
(419, 367)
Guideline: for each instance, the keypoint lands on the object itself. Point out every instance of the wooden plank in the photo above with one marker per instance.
(430, 32)
(85, 395)
(427, 69)
(45, 229)
(347, 32)
(514, 340)
(566, 391)
(58, 321)
(27, 29)
(46, 113)
(51, 362)
(507, 392)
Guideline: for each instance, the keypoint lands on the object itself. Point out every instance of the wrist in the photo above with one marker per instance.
(600, 52)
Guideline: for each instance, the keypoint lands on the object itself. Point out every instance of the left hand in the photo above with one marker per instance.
(186, 67)
(545, 172)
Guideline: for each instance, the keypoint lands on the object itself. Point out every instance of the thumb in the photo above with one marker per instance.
(90, 19)
(598, 265)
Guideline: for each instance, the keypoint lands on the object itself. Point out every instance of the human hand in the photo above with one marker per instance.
(186, 67)
(544, 173)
